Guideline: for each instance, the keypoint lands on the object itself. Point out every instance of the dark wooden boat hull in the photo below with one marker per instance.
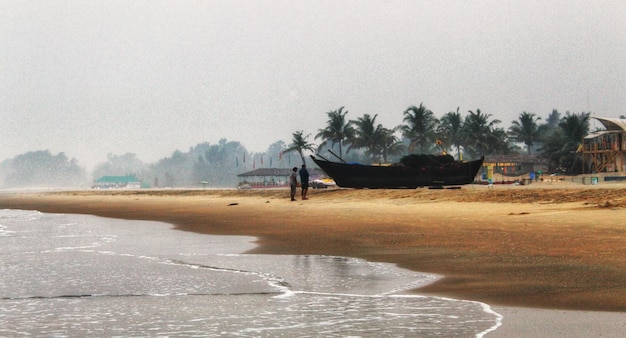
(350, 175)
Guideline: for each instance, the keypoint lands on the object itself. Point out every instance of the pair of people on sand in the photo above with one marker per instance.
(304, 182)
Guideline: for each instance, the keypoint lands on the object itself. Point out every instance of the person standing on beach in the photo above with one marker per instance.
(304, 181)
(293, 182)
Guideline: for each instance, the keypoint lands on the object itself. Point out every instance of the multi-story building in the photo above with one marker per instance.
(604, 151)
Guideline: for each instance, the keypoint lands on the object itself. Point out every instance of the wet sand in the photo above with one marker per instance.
(546, 245)
(533, 323)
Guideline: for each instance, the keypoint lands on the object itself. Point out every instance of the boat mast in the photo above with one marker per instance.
(340, 159)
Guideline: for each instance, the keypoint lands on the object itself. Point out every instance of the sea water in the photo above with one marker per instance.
(78, 275)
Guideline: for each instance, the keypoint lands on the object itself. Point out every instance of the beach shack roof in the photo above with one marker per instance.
(267, 172)
(612, 123)
(277, 172)
(117, 179)
(612, 126)
(516, 159)
(272, 177)
(116, 182)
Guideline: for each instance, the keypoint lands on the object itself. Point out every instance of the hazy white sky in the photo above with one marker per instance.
(149, 77)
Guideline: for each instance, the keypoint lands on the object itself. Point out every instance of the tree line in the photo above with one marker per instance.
(465, 136)
(212, 164)
(41, 168)
(469, 135)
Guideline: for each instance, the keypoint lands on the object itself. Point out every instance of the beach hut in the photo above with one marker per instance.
(514, 165)
(117, 182)
(605, 150)
(272, 177)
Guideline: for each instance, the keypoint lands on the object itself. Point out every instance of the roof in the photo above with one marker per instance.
(514, 159)
(612, 123)
(267, 172)
(277, 172)
(117, 179)
(599, 133)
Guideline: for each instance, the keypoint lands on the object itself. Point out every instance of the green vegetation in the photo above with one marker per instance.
(300, 144)
(356, 140)
(473, 135)
(41, 169)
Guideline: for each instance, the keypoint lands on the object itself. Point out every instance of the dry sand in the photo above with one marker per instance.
(546, 245)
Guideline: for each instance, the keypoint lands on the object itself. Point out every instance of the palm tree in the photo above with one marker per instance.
(450, 129)
(501, 144)
(299, 144)
(525, 129)
(478, 133)
(337, 130)
(575, 126)
(560, 146)
(550, 127)
(419, 128)
(390, 145)
(367, 135)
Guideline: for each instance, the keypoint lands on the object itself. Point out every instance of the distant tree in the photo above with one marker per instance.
(525, 129)
(338, 130)
(220, 163)
(553, 119)
(450, 130)
(197, 169)
(41, 168)
(420, 125)
(214, 164)
(274, 152)
(121, 165)
(300, 144)
(561, 146)
(551, 125)
(176, 170)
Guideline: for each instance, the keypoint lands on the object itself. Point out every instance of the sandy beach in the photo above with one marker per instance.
(554, 247)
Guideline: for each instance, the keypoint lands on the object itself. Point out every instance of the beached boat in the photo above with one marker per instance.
(411, 172)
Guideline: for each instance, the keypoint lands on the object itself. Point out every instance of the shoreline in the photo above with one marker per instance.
(541, 247)
(574, 229)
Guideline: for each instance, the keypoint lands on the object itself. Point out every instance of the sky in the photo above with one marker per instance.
(92, 78)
